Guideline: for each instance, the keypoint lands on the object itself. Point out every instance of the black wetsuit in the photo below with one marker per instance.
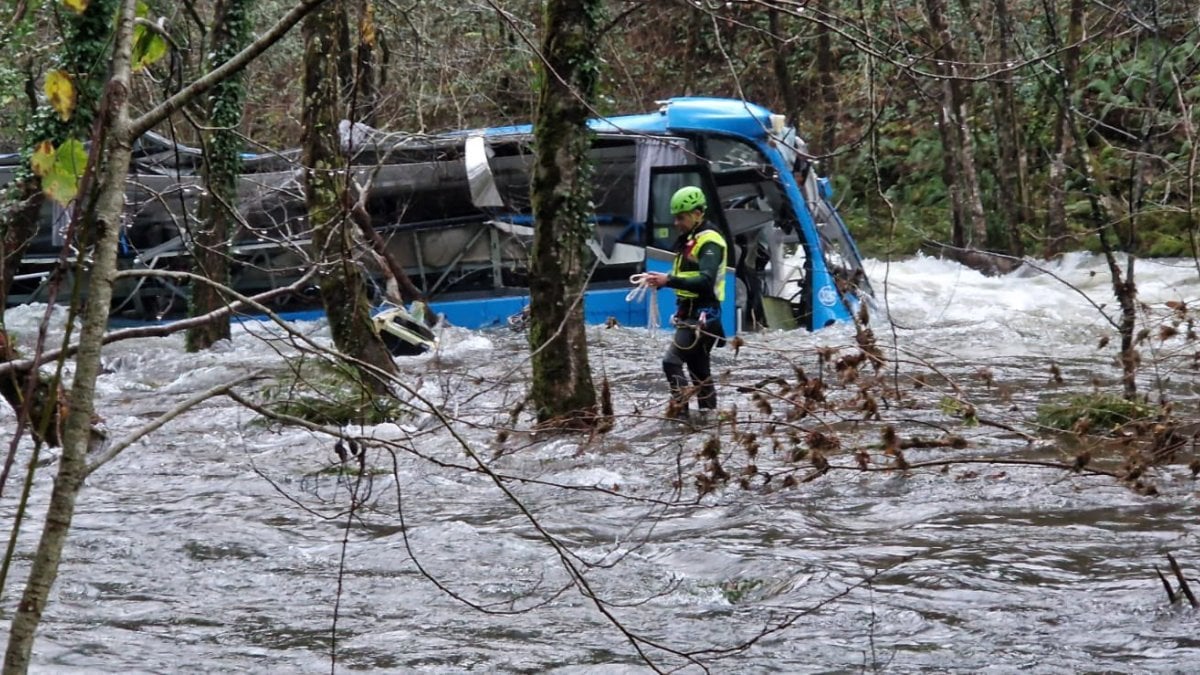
(691, 347)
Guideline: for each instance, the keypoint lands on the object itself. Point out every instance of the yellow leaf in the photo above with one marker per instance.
(61, 92)
(61, 182)
(77, 5)
(43, 158)
(60, 187)
(367, 26)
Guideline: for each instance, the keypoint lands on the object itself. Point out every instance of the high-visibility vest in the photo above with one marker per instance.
(688, 265)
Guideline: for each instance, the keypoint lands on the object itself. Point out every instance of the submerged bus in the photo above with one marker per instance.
(454, 211)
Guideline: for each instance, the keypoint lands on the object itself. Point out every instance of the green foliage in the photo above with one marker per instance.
(1099, 413)
(876, 238)
(958, 408)
(60, 169)
(736, 591)
(323, 392)
(148, 45)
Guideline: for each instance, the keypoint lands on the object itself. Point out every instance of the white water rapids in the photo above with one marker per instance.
(218, 545)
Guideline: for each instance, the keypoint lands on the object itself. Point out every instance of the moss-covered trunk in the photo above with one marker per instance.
(343, 288)
(1074, 148)
(1008, 163)
(104, 220)
(222, 166)
(83, 57)
(561, 193)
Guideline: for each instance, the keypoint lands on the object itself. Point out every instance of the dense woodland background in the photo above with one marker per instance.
(1026, 127)
(940, 121)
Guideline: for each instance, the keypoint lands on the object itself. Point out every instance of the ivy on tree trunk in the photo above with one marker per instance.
(84, 58)
(343, 288)
(104, 220)
(560, 193)
(222, 166)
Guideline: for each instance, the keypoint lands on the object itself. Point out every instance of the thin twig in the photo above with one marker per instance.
(1183, 584)
(162, 419)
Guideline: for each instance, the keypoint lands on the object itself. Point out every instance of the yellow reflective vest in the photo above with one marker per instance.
(687, 262)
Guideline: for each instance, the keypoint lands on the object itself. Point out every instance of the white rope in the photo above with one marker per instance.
(641, 286)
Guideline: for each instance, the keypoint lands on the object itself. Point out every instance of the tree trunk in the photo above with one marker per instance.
(222, 166)
(1008, 196)
(951, 176)
(105, 221)
(1057, 236)
(343, 288)
(692, 51)
(114, 136)
(780, 52)
(365, 93)
(1123, 284)
(827, 87)
(83, 57)
(560, 193)
(1014, 169)
(955, 115)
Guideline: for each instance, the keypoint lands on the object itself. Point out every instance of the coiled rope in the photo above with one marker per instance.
(641, 287)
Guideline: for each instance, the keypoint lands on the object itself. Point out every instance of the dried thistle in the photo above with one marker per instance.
(736, 344)
(606, 404)
(891, 444)
(863, 459)
(820, 441)
(819, 462)
(986, 376)
(1081, 461)
(761, 402)
(1055, 374)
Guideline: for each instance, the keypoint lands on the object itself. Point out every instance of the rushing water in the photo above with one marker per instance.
(219, 545)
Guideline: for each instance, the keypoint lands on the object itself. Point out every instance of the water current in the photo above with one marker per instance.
(222, 544)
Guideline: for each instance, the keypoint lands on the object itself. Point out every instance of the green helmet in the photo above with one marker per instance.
(687, 199)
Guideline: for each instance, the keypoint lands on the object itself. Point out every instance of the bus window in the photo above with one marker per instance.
(661, 224)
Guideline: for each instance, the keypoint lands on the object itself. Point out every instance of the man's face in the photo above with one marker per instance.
(685, 222)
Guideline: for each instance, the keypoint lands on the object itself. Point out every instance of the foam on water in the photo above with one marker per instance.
(218, 543)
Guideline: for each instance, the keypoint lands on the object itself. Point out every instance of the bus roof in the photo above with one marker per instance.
(676, 116)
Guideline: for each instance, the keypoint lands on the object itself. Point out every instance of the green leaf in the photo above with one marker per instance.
(148, 47)
(61, 182)
(1101, 85)
(71, 156)
(60, 186)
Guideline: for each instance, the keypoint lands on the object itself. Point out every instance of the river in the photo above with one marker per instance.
(222, 544)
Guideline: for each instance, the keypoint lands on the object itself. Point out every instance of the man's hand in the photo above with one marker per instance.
(656, 279)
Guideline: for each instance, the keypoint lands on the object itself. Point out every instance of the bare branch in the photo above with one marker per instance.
(116, 449)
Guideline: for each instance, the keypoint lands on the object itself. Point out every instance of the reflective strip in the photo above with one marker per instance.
(705, 237)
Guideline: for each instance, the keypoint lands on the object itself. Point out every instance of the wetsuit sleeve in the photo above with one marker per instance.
(710, 259)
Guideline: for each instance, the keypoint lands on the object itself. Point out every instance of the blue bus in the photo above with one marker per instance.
(453, 210)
